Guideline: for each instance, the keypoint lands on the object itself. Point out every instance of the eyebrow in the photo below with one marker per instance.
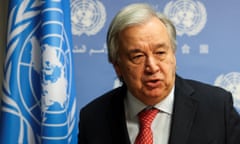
(135, 50)
(160, 45)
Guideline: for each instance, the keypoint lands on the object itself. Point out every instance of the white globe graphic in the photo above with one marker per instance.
(87, 17)
(48, 77)
(231, 82)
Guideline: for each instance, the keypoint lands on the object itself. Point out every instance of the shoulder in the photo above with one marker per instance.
(105, 101)
(204, 91)
(199, 86)
(207, 88)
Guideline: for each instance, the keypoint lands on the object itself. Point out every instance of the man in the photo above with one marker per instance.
(141, 47)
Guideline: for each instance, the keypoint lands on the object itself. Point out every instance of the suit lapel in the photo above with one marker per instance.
(185, 107)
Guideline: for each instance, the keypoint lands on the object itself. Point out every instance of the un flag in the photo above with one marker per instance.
(38, 103)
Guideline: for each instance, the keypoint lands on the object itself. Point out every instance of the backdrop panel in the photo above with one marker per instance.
(207, 34)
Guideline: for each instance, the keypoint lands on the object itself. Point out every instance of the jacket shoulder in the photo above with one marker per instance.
(105, 100)
(203, 89)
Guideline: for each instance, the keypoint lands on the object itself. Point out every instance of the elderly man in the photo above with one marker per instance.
(154, 104)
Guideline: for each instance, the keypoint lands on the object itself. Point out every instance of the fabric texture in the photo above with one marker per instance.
(146, 117)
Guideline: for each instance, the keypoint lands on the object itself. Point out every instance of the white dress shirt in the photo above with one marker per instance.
(161, 123)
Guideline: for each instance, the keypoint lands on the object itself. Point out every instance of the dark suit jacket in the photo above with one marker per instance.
(202, 114)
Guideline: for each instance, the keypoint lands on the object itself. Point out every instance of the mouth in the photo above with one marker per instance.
(155, 83)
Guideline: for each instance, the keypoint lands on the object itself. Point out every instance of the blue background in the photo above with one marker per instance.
(95, 76)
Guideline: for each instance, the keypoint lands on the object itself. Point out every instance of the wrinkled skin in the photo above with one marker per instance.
(147, 62)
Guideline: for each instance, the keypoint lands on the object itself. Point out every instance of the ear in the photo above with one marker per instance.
(174, 59)
(117, 70)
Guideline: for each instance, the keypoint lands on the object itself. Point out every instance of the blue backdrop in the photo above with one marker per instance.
(207, 35)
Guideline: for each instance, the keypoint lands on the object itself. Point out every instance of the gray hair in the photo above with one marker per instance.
(134, 14)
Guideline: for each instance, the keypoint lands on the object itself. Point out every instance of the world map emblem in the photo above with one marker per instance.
(55, 79)
(231, 82)
(87, 17)
(188, 16)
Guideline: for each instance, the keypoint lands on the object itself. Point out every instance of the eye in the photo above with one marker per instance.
(160, 54)
(137, 58)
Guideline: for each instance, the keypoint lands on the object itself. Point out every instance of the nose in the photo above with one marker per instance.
(151, 65)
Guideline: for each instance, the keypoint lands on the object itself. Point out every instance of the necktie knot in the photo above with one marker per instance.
(146, 117)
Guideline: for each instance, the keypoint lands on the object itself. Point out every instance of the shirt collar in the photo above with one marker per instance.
(134, 106)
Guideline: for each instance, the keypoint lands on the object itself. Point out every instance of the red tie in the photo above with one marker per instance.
(145, 135)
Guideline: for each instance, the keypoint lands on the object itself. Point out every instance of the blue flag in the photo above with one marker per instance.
(38, 103)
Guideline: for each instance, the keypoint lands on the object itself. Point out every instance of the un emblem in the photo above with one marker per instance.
(87, 16)
(40, 105)
(231, 82)
(188, 16)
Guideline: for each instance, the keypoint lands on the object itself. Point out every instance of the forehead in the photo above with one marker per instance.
(151, 31)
